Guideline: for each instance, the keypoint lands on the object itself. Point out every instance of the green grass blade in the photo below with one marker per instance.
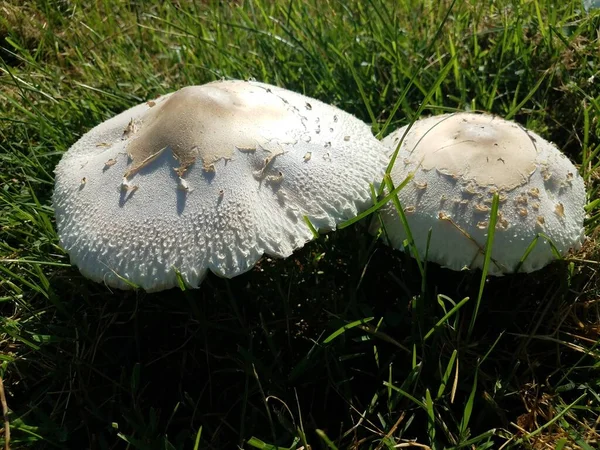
(446, 316)
(345, 328)
(400, 210)
(464, 422)
(326, 439)
(447, 373)
(486, 257)
(377, 205)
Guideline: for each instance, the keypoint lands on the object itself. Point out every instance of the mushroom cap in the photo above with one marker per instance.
(459, 161)
(210, 177)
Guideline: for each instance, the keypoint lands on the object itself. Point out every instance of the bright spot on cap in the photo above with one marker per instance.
(459, 162)
(210, 177)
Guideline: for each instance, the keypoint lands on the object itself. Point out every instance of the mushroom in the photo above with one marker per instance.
(458, 162)
(209, 177)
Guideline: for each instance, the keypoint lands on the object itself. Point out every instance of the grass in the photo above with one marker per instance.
(347, 344)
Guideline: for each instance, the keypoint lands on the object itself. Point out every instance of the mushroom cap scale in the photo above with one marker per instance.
(190, 190)
(459, 161)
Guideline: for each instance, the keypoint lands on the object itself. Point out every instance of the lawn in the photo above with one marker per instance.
(343, 345)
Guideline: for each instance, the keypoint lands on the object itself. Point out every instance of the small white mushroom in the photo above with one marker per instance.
(454, 154)
(242, 147)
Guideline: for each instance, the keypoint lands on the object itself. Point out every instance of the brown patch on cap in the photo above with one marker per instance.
(209, 122)
(501, 222)
(477, 148)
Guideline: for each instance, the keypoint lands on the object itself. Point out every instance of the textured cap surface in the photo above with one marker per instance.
(210, 177)
(459, 161)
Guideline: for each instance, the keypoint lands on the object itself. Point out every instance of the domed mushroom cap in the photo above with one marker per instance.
(459, 161)
(210, 177)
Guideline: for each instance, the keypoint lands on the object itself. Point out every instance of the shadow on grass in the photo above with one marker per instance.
(151, 369)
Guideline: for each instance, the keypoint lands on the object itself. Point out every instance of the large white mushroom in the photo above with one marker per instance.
(210, 177)
(459, 161)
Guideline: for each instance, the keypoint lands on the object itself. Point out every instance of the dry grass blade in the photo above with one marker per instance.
(5, 415)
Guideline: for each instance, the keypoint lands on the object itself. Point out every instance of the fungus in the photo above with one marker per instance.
(474, 156)
(155, 177)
